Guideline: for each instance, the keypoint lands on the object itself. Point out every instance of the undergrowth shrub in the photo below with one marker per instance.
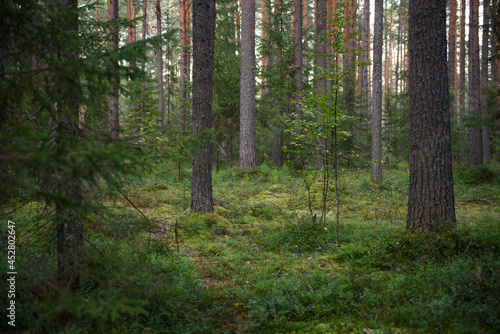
(476, 175)
(303, 235)
(127, 292)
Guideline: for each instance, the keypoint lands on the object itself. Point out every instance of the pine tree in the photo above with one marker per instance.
(184, 63)
(248, 150)
(159, 68)
(484, 82)
(431, 199)
(475, 137)
(113, 98)
(203, 65)
(452, 57)
(298, 68)
(69, 222)
(461, 152)
(376, 143)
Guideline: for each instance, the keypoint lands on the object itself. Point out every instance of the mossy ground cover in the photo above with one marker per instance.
(260, 264)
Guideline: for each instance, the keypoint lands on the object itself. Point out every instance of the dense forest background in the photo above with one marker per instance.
(245, 166)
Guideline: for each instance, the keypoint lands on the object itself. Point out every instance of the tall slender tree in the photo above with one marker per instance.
(159, 68)
(365, 56)
(203, 71)
(376, 143)
(321, 45)
(461, 152)
(475, 138)
(348, 60)
(248, 150)
(452, 57)
(298, 67)
(144, 35)
(484, 82)
(113, 98)
(68, 187)
(183, 110)
(431, 198)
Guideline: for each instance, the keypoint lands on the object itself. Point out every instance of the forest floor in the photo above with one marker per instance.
(260, 264)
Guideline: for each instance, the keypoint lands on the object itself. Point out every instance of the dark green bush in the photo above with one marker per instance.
(476, 175)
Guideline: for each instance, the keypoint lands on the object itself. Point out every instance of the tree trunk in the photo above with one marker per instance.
(144, 35)
(159, 69)
(431, 199)
(203, 69)
(365, 56)
(183, 8)
(495, 65)
(376, 144)
(452, 57)
(348, 63)
(248, 151)
(321, 63)
(320, 22)
(298, 70)
(475, 138)
(305, 29)
(68, 219)
(484, 82)
(461, 152)
(113, 102)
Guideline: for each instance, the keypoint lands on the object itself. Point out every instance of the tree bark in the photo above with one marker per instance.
(365, 56)
(183, 110)
(248, 151)
(431, 199)
(298, 70)
(484, 82)
(348, 60)
(475, 138)
(321, 63)
(113, 98)
(159, 68)
(461, 152)
(376, 144)
(68, 188)
(144, 35)
(452, 57)
(203, 68)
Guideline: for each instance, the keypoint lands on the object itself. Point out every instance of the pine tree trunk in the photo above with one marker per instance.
(113, 98)
(321, 63)
(131, 39)
(298, 70)
(305, 13)
(452, 57)
(183, 110)
(365, 56)
(398, 46)
(348, 62)
(248, 152)
(263, 38)
(461, 152)
(203, 69)
(69, 223)
(431, 199)
(475, 137)
(484, 82)
(159, 69)
(376, 144)
(495, 65)
(144, 35)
